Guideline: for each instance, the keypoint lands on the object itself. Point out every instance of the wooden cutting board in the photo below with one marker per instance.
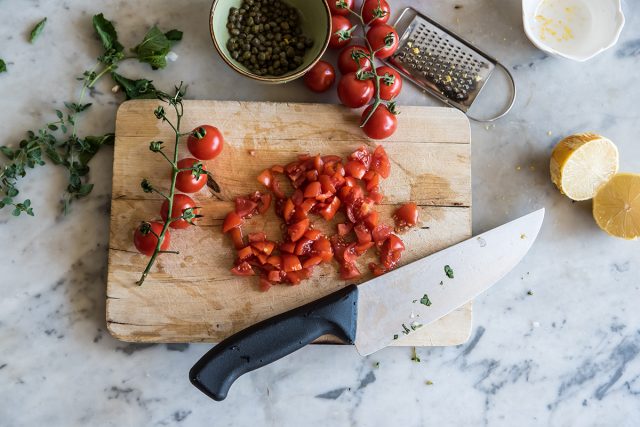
(193, 297)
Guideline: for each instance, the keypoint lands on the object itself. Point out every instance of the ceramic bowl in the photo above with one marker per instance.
(573, 29)
(315, 21)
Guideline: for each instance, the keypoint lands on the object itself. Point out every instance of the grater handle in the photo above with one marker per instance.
(512, 101)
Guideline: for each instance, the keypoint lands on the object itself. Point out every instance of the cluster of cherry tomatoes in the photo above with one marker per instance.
(205, 143)
(362, 81)
(323, 186)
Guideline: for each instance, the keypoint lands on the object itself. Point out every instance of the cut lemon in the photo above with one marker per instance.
(581, 164)
(616, 206)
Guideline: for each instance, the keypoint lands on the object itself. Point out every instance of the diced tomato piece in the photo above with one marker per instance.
(362, 233)
(349, 271)
(373, 183)
(245, 253)
(287, 210)
(236, 238)
(318, 163)
(344, 229)
(296, 230)
(303, 247)
(307, 205)
(275, 260)
(277, 169)
(265, 285)
(339, 247)
(355, 169)
(380, 233)
(380, 162)
(288, 247)
(338, 180)
(299, 215)
(330, 211)
(231, 221)
(294, 170)
(311, 175)
(376, 269)
(363, 247)
(264, 247)
(265, 202)
(312, 190)
(340, 169)
(277, 190)
(243, 269)
(311, 262)
(362, 155)
(375, 195)
(344, 192)
(262, 258)
(322, 248)
(266, 178)
(350, 182)
(305, 273)
(260, 236)
(406, 215)
(297, 197)
(291, 262)
(371, 221)
(395, 243)
(245, 207)
(368, 176)
(323, 196)
(359, 209)
(326, 184)
(293, 278)
(275, 276)
(349, 254)
(312, 234)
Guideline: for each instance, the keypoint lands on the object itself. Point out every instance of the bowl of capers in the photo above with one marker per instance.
(272, 41)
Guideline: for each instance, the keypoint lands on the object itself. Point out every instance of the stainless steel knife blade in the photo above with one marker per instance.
(396, 304)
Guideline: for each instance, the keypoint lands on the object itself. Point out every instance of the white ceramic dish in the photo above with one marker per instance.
(574, 29)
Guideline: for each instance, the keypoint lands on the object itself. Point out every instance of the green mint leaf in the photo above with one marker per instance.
(154, 48)
(84, 190)
(16, 212)
(173, 35)
(3, 66)
(8, 152)
(135, 89)
(425, 300)
(37, 30)
(59, 114)
(448, 271)
(107, 33)
(12, 192)
(53, 155)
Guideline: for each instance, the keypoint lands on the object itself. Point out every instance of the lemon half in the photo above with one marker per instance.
(616, 206)
(581, 164)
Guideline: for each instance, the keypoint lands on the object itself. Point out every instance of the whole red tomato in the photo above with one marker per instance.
(382, 124)
(205, 142)
(370, 12)
(320, 77)
(146, 243)
(180, 203)
(348, 64)
(338, 23)
(335, 10)
(389, 91)
(186, 181)
(355, 93)
(378, 36)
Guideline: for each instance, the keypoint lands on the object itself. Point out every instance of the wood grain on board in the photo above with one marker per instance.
(193, 297)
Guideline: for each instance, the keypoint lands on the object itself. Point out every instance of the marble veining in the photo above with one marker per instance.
(555, 343)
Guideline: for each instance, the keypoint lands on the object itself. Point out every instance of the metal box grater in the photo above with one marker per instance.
(443, 63)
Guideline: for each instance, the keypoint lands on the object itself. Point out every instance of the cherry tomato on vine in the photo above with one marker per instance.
(382, 124)
(180, 203)
(338, 23)
(146, 243)
(205, 142)
(368, 12)
(346, 62)
(320, 77)
(186, 181)
(335, 10)
(377, 37)
(391, 91)
(355, 93)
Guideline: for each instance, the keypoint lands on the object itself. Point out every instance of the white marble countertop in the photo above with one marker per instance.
(566, 355)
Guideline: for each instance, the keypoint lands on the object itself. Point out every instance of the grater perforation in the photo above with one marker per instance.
(443, 63)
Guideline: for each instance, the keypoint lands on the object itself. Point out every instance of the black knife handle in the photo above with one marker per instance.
(274, 338)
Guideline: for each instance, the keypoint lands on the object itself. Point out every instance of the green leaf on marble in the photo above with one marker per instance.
(37, 30)
(3, 66)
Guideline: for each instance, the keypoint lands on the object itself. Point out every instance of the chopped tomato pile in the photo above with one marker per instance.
(322, 186)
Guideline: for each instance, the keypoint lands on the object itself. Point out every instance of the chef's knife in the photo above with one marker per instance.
(375, 313)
